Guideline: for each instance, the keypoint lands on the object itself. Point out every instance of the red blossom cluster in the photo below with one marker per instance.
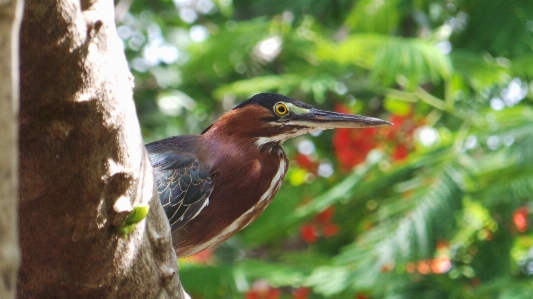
(520, 218)
(438, 265)
(401, 134)
(301, 293)
(321, 225)
(261, 290)
(308, 163)
(352, 146)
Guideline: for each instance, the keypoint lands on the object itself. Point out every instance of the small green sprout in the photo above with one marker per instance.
(135, 216)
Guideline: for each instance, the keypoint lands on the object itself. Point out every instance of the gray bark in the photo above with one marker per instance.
(10, 16)
(83, 165)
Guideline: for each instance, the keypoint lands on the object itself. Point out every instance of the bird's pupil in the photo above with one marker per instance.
(281, 109)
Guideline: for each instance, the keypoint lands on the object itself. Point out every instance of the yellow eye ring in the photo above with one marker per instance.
(281, 109)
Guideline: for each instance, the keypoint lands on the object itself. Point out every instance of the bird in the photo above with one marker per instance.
(214, 184)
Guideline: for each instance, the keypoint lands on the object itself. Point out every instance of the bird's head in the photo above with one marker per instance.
(270, 118)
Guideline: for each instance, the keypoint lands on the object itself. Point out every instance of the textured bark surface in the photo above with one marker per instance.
(10, 15)
(82, 163)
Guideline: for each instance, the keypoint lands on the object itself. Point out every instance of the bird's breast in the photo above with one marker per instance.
(245, 191)
(242, 190)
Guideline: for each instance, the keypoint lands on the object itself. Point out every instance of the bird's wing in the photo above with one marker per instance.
(184, 187)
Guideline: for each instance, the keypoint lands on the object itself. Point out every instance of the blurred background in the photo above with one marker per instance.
(436, 206)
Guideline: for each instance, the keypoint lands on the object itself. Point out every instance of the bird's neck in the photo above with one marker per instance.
(237, 133)
(228, 145)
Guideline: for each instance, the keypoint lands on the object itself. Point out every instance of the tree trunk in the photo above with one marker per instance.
(10, 16)
(83, 166)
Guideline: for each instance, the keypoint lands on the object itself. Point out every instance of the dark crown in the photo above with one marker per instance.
(268, 100)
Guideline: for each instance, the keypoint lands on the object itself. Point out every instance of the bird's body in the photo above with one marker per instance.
(213, 185)
(229, 190)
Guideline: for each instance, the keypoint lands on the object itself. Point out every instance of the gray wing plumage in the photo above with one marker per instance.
(184, 186)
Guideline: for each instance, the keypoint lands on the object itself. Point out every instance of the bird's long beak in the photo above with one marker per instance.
(323, 120)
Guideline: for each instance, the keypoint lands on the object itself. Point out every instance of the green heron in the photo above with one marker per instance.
(214, 184)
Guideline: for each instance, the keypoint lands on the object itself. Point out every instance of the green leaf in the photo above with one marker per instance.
(387, 58)
(397, 107)
(406, 230)
(374, 16)
(522, 66)
(478, 71)
(249, 87)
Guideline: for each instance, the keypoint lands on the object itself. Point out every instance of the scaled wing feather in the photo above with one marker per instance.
(184, 186)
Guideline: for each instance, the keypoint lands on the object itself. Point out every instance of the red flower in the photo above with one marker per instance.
(520, 218)
(442, 245)
(401, 123)
(352, 146)
(330, 230)
(424, 266)
(342, 109)
(401, 135)
(403, 128)
(321, 225)
(361, 296)
(309, 233)
(400, 152)
(441, 265)
(438, 265)
(301, 293)
(261, 290)
(325, 216)
(307, 163)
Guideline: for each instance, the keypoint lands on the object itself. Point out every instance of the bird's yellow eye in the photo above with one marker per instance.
(281, 109)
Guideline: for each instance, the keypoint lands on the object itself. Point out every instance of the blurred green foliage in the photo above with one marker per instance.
(437, 207)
